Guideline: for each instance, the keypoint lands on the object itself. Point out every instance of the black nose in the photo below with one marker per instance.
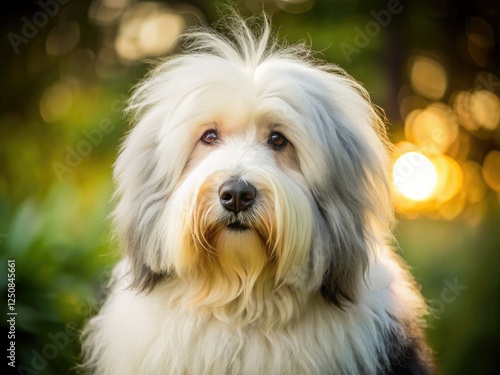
(237, 195)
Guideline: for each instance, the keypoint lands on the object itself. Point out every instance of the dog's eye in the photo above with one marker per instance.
(209, 136)
(277, 140)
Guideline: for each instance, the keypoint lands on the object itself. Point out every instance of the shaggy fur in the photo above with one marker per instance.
(301, 282)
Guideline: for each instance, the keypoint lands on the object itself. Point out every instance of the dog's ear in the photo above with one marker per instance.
(141, 197)
(343, 207)
(146, 172)
(353, 194)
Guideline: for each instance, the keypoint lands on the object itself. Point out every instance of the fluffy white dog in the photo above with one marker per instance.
(254, 211)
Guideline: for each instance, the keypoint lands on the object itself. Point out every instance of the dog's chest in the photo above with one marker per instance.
(190, 344)
(186, 346)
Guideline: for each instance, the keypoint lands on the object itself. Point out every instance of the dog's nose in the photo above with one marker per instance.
(237, 195)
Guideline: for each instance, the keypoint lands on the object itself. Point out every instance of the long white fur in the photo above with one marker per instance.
(250, 302)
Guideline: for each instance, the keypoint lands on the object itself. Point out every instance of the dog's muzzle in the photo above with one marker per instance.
(237, 195)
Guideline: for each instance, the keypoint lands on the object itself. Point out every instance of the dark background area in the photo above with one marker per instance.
(67, 68)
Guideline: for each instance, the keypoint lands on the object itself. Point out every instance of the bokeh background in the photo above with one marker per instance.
(67, 67)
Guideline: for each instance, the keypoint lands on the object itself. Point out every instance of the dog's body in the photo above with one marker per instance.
(254, 210)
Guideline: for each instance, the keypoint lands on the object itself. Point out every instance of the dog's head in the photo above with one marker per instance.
(252, 163)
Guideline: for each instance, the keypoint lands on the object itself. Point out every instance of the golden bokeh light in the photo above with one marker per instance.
(147, 29)
(159, 33)
(449, 178)
(462, 107)
(485, 109)
(477, 110)
(414, 176)
(491, 170)
(428, 77)
(433, 129)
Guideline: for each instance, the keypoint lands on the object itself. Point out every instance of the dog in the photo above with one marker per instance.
(254, 213)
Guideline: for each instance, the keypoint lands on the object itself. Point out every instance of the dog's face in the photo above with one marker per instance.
(247, 171)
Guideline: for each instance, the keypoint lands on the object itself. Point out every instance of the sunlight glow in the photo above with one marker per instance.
(414, 176)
